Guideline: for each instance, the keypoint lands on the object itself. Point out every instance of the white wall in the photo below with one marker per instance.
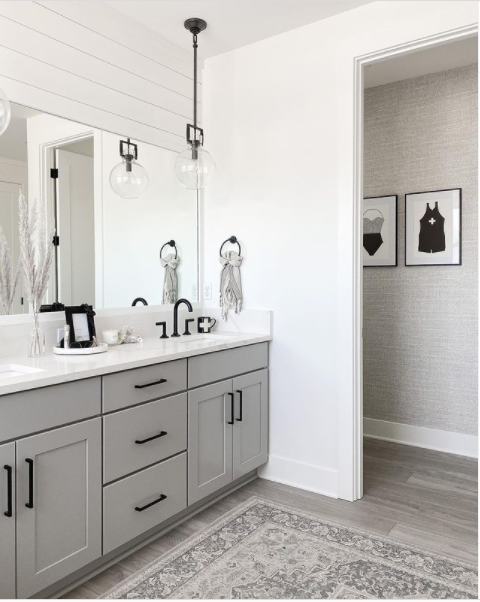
(279, 119)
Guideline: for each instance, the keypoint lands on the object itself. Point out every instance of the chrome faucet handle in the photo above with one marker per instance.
(187, 321)
(164, 325)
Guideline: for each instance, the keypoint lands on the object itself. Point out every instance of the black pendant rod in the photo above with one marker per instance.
(195, 26)
(195, 46)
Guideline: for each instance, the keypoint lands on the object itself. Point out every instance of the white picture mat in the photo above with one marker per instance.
(387, 253)
(449, 207)
(80, 327)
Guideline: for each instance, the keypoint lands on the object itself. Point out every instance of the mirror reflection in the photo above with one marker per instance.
(107, 248)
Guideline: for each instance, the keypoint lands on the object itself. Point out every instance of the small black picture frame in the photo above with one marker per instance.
(81, 320)
(384, 235)
(440, 210)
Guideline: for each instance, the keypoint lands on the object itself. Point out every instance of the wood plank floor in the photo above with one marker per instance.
(421, 497)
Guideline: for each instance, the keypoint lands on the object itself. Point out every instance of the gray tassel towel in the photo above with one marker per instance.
(170, 282)
(231, 296)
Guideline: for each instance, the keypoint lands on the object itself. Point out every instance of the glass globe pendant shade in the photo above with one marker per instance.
(194, 167)
(129, 179)
(5, 112)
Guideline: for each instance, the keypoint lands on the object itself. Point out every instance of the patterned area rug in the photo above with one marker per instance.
(262, 550)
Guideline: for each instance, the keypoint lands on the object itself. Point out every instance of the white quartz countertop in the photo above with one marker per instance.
(57, 369)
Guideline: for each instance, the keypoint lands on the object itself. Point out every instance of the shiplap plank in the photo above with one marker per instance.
(31, 71)
(76, 62)
(50, 23)
(68, 108)
(102, 18)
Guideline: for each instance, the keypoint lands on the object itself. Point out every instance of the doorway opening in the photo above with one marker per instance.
(419, 224)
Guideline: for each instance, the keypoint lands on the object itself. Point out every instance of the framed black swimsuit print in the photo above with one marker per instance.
(380, 231)
(433, 227)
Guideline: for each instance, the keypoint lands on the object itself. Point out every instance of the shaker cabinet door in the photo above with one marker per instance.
(7, 521)
(59, 486)
(250, 434)
(210, 420)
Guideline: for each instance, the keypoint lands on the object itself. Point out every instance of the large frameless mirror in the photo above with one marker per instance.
(107, 248)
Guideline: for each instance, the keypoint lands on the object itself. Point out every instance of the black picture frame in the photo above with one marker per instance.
(385, 196)
(71, 316)
(412, 239)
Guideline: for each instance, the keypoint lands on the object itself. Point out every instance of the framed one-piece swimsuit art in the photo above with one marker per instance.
(433, 227)
(380, 231)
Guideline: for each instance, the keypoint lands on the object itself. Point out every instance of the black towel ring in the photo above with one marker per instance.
(233, 240)
(172, 244)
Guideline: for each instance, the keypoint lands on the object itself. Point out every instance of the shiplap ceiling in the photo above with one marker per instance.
(231, 23)
(422, 62)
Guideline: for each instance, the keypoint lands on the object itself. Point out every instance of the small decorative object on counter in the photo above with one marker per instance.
(170, 282)
(66, 336)
(53, 307)
(81, 321)
(126, 336)
(36, 253)
(231, 295)
(110, 337)
(205, 324)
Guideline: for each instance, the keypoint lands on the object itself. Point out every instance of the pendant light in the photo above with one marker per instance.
(5, 112)
(194, 167)
(128, 179)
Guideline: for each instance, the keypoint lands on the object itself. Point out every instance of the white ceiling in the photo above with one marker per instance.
(13, 142)
(415, 64)
(231, 23)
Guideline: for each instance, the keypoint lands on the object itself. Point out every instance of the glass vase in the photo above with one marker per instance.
(37, 338)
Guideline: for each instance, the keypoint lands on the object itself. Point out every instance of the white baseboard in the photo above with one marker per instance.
(298, 474)
(418, 436)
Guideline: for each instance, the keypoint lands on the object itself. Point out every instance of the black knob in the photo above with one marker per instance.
(187, 321)
(164, 326)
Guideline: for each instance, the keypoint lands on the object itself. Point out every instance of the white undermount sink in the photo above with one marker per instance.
(204, 338)
(12, 370)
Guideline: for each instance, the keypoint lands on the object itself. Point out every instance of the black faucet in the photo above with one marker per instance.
(175, 315)
(139, 300)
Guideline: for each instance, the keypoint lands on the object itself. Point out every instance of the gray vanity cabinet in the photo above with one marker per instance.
(250, 432)
(210, 461)
(227, 432)
(59, 487)
(7, 521)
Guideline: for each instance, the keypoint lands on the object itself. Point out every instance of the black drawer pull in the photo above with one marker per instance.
(157, 382)
(9, 512)
(241, 406)
(232, 409)
(29, 504)
(142, 508)
(142, 441)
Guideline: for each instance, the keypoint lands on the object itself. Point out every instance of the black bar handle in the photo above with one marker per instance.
(29, 504)
(9, 512)
(157, 382)
(232, 409)
(241, 405)
(142, 508)
(142, 441)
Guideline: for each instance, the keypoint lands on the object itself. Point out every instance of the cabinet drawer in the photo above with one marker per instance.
(213, 367)
(143, 384)
(121, 520)
(33, 411)
(124, 432)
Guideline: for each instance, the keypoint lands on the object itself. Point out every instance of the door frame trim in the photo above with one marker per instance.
(351, 477)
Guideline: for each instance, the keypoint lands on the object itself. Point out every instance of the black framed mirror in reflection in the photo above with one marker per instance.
(107, 248)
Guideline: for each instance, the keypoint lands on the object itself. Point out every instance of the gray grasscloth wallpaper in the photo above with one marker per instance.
(420, 323)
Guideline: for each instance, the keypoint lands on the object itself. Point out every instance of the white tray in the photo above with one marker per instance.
(102, 347)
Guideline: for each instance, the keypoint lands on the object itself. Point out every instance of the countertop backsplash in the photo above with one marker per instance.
(15, 331)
